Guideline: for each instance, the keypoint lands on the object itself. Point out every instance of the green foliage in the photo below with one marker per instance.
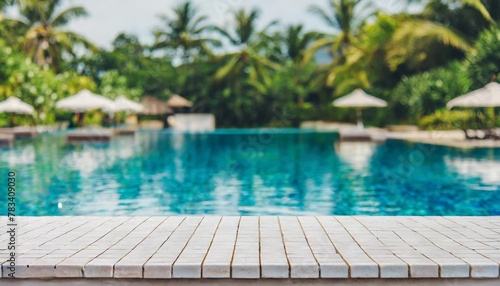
(113, 85)
(485, 61)
(20, 77)
(137, 70)
(423, 94)
(417, 62)
(184, 33)
(365, 64)
(39, 32)
(452, 119)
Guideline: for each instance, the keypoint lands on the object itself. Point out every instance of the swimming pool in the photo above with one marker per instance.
(249, 172)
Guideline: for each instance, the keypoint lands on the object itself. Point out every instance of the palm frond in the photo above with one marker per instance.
(319, 44)
(224, 33)
(63, 17)
(479, 6)
(75, 38)
(324, 16)
(415, 34)
(227, 68)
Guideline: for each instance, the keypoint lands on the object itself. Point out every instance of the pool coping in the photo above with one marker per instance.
(258, 250)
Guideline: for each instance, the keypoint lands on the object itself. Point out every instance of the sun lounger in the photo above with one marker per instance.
(89, 136)
(20, 132)
(482, 134)
(6, 140)
(495, 133)
(124, 131)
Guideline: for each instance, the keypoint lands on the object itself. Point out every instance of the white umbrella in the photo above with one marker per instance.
(15, 105)
(359, 99)
(123, 104)
(487, 96)
(85, 100)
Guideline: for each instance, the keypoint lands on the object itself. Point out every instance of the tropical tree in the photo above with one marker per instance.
(296, 42)
(244, 36)
(343, 19)
(443, 31)
(20, 77)
(184, 33)
(365, 64)
(485, 61)
(295, 79)
(40, 33)
(255, 54)
(154, 75)
(493, 7)
(7, 35)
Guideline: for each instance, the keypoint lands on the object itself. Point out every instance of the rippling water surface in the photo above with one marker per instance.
(249, 172)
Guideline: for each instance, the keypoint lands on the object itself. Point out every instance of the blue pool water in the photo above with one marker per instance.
(249, 172)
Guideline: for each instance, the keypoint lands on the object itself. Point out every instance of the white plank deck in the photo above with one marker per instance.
(197, 247)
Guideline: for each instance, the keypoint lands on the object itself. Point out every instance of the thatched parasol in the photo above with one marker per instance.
(154, 106)
(178, 101)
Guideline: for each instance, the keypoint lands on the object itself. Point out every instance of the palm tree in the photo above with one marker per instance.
(366, 64)
(184, 33)
(249, 58)
(341, 17)
(297, 42)
(40, 32)
(440, 29)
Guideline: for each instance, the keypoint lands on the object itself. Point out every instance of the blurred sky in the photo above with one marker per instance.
(109, 17)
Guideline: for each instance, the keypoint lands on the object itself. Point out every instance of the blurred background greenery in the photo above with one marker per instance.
(416, 61)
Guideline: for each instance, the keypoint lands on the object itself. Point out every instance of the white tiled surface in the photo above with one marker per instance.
(255, 247)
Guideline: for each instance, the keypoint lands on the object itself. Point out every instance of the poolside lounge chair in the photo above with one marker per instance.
(495, 133)
(6, 140)
(90, 135)
(20, 132)
(124, 131)
(482, 134)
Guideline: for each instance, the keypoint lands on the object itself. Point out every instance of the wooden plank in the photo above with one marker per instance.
(246, 257)
(450, 266)
(390, 265)
(274, 263)
(102, 265)
(299, 254)
(132, 264)
(161, 263)
(253, 247)
(481, 266)
(217, 263)
(360, 264)
(189, 263)
(330, 262)
(147, 238)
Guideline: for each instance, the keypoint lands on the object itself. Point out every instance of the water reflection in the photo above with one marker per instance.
(486, 171)
(356, 154)
(24, 155)
(250, 173)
